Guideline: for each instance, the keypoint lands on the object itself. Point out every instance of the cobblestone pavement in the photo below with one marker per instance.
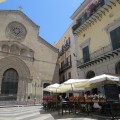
(23, 113)
(37, 113)
(71, 116)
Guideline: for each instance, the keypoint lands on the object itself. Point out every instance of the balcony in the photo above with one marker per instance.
(99, 56)
(65, 48)
(61, 53)
(93, 13)
(65, 67)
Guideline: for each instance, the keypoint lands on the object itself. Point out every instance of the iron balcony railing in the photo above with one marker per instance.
(96, 54)
(65, 48)
(65, 67)
(88, 13)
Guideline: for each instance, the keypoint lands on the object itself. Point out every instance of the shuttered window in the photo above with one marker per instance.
(115, 38)
(86, 55)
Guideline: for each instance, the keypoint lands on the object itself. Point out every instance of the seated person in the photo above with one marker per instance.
(97, 106)
(66, 98)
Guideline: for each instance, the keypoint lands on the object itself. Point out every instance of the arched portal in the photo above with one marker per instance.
(15, 76)
(9, 84)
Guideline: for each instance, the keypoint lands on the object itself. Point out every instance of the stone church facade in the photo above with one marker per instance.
(27, 61)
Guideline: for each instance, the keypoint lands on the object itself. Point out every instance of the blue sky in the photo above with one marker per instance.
(53, 16)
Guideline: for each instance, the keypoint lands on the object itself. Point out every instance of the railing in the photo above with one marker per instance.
(61, 52)
(66, 47)
(96, 54)
(65, 66)
(88, 13)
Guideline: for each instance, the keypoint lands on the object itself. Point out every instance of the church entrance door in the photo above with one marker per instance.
(9, 85)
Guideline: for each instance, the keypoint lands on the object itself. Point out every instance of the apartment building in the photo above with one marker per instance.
(96, 28)
(67, 56)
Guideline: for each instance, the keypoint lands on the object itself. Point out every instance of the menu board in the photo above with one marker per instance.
(111, 92)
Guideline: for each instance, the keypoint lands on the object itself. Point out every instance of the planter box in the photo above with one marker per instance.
(102, 101)
(87, 100)
(95, 101)
(81, 100)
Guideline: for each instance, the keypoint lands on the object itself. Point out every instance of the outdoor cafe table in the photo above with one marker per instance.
(69, 106)
(109, 108)
(64, 105)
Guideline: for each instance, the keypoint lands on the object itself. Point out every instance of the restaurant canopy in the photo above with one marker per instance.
(73, 85)
(104, 79)
(52, 88)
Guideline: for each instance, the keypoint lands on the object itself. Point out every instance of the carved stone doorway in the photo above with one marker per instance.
(9, 86)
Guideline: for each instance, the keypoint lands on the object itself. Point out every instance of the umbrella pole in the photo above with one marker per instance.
(72, 87)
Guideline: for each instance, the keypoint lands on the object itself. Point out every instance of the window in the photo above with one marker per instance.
(69, 75)
(68, 41)
(68, 60)
(86, 55)
(62, 64)
(62, 47)
(115, 38)
(84, 17)
(63, 78)
(117, 69)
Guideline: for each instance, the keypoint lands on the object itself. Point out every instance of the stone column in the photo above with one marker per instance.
(21, 90)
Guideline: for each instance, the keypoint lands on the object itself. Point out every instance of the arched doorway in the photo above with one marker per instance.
(117, 68)
(9, 86)
(45, 93)
(90, 74)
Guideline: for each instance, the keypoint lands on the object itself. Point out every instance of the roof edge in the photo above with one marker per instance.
(80, 8)
(48, 44)
(20, 13)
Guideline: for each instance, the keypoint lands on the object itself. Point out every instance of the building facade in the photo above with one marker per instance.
(67, 56)
(27, 61)
(97, 33)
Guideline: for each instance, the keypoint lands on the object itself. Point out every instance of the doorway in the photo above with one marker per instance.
(9, 86)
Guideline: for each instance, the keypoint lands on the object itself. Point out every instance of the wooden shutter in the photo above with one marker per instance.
(86, 55)
(115, 38)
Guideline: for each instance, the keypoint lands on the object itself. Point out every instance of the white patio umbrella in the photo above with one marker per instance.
(53, 88)
(104, 79)
(74, 85)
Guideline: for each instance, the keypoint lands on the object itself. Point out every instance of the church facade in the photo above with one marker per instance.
(27, 61)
